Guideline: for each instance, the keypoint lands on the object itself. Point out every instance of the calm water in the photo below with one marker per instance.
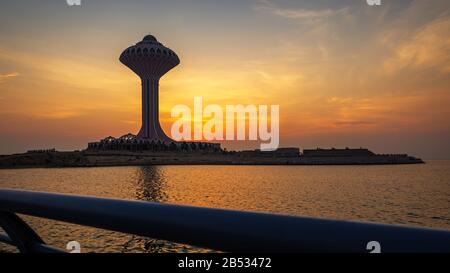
(416, 195)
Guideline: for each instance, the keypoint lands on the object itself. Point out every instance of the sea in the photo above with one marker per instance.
(413, 195)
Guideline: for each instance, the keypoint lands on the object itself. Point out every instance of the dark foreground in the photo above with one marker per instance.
(223, 230)
(411, 194)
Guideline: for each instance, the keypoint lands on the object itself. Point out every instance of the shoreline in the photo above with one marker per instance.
(82, 159)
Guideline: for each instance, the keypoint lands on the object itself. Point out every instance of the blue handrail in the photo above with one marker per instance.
(219, 229)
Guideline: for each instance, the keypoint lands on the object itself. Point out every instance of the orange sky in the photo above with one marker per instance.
(343, 74)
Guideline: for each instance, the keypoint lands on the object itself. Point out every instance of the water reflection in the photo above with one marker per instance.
(151, 183)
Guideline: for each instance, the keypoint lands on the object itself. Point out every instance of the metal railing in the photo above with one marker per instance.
(218, 229)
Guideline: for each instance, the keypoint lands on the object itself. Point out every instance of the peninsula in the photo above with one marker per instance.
(164, 155)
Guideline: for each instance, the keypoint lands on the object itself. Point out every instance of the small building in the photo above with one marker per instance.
(130, 142)
(347, 152)
(280, 152)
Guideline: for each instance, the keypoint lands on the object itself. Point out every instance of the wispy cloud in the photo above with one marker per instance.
(67, 69)
(299, 13)
(59, 114)
(354, 123)
(5, 77)
(428, 48)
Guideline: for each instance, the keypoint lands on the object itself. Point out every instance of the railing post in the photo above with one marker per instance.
(20, 233)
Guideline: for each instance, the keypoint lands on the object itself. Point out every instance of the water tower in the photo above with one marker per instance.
(150, 60)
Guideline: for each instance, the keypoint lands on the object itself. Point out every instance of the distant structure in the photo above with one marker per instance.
(132, 143)
(41, 151)
(280, 152)
(150, 60)
(333, 152)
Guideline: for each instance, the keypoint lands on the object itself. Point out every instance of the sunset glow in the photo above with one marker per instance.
(344, 73)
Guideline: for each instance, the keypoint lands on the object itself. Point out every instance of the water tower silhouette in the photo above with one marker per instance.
(150, 60)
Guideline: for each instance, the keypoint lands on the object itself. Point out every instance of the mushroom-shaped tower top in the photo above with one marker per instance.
(149, 58)
(150, 38)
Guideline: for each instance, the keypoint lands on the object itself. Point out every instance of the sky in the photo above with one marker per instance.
(344, 73)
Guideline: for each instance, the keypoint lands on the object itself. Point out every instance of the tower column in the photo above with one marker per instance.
(151, 128)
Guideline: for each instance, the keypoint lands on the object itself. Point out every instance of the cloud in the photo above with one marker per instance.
(59, 114)
(5, 77)
(300, 13)
(75, 71)
(428, 48)
(354, 123)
